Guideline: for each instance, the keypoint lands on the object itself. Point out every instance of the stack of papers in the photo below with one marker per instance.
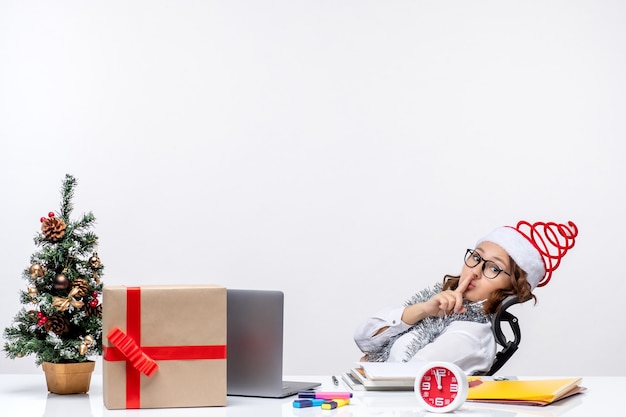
(523, 392)
(383, 376)
(400, 376)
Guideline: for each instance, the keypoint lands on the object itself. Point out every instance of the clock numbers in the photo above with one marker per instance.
(441, 387)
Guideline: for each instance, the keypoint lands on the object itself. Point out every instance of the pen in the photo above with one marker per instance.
(335, 381)
(332, 404)
(328, 395)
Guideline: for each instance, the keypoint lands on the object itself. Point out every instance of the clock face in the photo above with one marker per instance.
(441, 388)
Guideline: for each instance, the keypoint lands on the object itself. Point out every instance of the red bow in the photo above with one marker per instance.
(127, 346)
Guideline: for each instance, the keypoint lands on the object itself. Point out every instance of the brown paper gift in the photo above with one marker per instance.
(168, 348)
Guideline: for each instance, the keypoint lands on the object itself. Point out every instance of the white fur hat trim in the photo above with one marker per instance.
(521, 250)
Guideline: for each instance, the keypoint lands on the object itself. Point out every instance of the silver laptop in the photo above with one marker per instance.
(255, 345)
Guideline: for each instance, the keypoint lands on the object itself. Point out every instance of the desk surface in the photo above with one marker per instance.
(26, 395)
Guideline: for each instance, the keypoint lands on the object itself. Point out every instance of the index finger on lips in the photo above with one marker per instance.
(463, 284)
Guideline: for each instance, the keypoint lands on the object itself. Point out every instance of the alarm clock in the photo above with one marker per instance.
(441, 387)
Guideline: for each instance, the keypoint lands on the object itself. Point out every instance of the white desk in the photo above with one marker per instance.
(26, 396)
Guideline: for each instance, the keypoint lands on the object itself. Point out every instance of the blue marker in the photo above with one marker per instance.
(327, 395)
(312, 402)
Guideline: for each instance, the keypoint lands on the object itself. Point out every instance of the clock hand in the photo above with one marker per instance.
(438, 377)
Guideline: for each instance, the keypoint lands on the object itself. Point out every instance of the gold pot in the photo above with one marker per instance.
(68, 378)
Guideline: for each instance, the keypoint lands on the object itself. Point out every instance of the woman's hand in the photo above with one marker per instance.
(445, 302)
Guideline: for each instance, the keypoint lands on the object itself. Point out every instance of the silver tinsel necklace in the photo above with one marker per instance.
(427, 330)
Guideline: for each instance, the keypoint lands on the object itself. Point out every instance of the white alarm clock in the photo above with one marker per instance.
(441, 387)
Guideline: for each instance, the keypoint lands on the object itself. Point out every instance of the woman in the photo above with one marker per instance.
(452, 322)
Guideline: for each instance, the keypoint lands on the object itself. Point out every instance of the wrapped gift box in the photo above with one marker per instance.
(164, 346)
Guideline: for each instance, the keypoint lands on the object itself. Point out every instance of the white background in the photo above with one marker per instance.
(345, 152)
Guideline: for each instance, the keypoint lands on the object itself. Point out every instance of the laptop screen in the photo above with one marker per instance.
(255, 345)
(254, 342)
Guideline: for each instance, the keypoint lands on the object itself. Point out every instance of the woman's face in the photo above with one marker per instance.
(479, 287)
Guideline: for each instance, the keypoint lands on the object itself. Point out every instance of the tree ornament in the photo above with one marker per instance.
(57, 324)
(94, 261)
(93, 311)
(84, 347)
(61, 282)
(62, 304)
(36, 271)
(53, 228)
(32, 293)
(50, 214)
(93, 303)
(80, 286)
(42, 320)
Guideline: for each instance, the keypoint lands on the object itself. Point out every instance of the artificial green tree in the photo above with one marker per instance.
(62, 318)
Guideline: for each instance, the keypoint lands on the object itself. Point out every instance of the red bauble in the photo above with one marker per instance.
(94, 294)
(93, 303)
(39, 314)
(50, 214)
(42, 219)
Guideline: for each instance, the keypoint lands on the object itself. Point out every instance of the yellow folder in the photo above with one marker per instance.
(526, 392)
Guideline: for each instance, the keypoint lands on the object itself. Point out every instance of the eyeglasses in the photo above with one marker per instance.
(490, 269)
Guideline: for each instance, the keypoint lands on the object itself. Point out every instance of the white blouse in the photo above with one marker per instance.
(468, 344)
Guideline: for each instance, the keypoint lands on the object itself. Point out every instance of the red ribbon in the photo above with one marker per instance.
(552, 240)
(131, 352)
(142, 358)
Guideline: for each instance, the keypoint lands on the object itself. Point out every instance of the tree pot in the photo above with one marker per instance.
(68, 378)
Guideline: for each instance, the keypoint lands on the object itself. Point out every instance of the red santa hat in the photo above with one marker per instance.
(537, 248)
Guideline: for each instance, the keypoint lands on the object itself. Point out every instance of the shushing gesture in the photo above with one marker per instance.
(439, 305)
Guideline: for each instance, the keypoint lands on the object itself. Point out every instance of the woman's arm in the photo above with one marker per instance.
(376, 330)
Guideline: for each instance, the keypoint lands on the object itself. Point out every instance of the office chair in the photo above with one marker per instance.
(508, 346)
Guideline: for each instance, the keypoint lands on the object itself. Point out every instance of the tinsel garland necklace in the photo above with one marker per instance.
(428, 329)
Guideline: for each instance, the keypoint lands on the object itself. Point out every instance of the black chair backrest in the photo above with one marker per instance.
(508, 346)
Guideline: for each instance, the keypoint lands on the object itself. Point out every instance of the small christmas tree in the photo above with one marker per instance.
(63, 320)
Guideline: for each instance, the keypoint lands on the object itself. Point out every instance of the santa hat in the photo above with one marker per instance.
(537, 248)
